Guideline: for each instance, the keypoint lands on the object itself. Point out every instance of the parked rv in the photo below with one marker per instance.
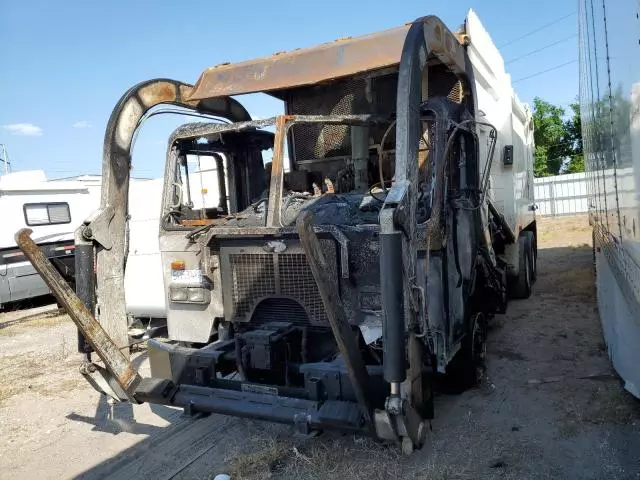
(53, 210)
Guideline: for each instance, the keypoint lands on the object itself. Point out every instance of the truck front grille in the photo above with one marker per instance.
(255, 277)
(252, 278)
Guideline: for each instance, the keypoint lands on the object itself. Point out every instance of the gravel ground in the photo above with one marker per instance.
(551, 406)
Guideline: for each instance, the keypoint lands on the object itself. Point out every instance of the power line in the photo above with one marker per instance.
(563, 158)
(528, 34)
(513, 60)
(544, 71)
(561, 143)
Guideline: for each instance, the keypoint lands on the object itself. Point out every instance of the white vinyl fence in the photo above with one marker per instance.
(561, 194)
(567, 194)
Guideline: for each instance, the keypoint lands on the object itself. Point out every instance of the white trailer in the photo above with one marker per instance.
(53, 210)
(610, 108)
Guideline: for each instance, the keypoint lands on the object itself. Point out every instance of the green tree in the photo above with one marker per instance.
(550, 136)
(573, 132)
(558, 139)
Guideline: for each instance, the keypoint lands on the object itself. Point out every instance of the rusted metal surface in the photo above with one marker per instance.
(277, 169)
(209, 221)
(303, 67)
(444, 45)
(196, 222)
(248, 232)
(204, 129)
(330, 294)
(116, 363)
(341, 58)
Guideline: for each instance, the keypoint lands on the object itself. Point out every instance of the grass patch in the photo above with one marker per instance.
(57, 388)
(41, 320)
(259, 463)
(335, 456)
(7, 391)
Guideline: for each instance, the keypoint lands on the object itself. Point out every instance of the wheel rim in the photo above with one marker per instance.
(534, 260)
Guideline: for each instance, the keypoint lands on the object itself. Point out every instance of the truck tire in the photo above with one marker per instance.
(475, 351)
(467, 368)
(522, 283)
(533, 254)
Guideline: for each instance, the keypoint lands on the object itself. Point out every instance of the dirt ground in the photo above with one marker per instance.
(550, 408)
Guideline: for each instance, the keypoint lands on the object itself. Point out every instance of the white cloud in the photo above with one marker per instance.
(25, 129)
(82, 124)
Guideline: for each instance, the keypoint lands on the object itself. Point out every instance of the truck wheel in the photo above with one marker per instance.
(522, 283)
(476, 351)
(467, 368)
(533, 254)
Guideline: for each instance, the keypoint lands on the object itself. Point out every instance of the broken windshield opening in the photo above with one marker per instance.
(343, 165)
(214, 176)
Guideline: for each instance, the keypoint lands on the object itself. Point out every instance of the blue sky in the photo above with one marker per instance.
(65, 63)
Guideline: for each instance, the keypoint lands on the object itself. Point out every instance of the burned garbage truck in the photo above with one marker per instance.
(357, 246)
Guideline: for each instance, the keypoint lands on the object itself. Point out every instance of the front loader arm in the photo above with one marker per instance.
(409, 403)
(105, 231)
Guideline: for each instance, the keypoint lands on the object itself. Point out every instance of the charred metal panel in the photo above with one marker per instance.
(308, 66)
(342, 58)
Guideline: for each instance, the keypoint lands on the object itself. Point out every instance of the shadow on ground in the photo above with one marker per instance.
(118, 417)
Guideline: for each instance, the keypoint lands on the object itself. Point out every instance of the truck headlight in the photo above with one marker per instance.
(186, 294)
(195, 295)
(178, 294)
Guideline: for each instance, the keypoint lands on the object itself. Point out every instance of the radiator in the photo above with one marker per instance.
(272, 286)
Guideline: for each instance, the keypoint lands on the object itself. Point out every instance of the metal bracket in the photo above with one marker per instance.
(344, 248)
(397, 201)
(406, 425)
(101, 380)
(98, 227)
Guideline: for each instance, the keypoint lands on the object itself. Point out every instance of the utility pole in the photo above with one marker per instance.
(5, 158)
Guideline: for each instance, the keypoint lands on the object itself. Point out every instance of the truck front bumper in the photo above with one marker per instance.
(186, 378)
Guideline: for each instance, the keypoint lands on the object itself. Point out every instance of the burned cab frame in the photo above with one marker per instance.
(238, 162)
(321, 296)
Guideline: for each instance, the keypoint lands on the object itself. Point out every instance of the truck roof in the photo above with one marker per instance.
(341, 58)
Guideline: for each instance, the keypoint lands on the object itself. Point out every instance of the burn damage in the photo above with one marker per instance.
(328, 269)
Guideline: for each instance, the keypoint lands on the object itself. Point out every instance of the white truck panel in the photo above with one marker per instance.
(511, 186)
(143, 285)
